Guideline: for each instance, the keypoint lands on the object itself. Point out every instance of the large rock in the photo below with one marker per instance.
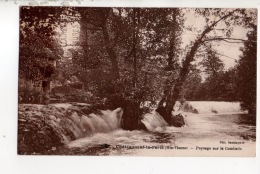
(177, 120)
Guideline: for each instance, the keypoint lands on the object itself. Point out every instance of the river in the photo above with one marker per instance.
(230, 133)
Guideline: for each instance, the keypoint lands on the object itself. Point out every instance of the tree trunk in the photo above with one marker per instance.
(110, 51)
(131, 119)
(174, 92)
(136, 20)
(46, 90)
(86, 47)
(166, 110)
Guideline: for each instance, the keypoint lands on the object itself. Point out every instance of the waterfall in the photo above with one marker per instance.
(153, 121)
(68, 121)
(82, 125)
(209, 107)
(106, 121)
(98, 123)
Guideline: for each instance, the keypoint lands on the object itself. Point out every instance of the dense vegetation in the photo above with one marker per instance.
(121, 57)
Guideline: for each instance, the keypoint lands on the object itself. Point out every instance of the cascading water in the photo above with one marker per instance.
(68, 122)
(107, 121)
(207, 126)
(86, 125)
(153, 121)
(100, 133)
(207, 107)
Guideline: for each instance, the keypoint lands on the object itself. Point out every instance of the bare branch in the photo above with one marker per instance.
(222, 18)
(229, 40)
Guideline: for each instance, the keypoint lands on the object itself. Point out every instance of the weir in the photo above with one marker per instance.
(153, 120)
(211, 107)
(67, 122)
(87, 125)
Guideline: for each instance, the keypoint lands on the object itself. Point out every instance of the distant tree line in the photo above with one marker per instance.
(235, 84)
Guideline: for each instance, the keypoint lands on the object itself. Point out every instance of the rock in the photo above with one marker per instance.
(105, 145)
(195, 111)
(28, 114)
(214, 111)
(35, 135)
(86, 110)
(186, 107)
(177, 120)
(38, 114)
(52, 117)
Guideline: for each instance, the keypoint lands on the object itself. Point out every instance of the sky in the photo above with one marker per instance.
(230, 52)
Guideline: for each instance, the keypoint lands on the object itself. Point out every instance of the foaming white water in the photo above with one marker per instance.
(115, 137)
(207, 128)
(105, 122)
(113, 119)
(207, 107)
(153, 121)
(204, 131)
(86, 125)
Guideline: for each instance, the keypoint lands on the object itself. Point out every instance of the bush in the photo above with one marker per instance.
(70, 94)
(27, 95)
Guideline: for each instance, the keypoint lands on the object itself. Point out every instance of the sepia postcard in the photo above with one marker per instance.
(103, 81)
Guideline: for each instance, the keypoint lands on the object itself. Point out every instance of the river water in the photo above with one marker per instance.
(206, 134)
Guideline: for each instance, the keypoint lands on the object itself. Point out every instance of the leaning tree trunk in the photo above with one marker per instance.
(173, 94)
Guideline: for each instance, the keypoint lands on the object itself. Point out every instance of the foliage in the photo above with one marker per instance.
(38, 45)
(221, 87)
(28, 95)
(212, 63)
(246, 83)
(137, 53)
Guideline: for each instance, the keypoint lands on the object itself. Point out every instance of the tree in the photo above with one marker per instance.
(212, 63)
(227, 17)
(39, 49)
(247, 72)
(192, 85)
(126, 54)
